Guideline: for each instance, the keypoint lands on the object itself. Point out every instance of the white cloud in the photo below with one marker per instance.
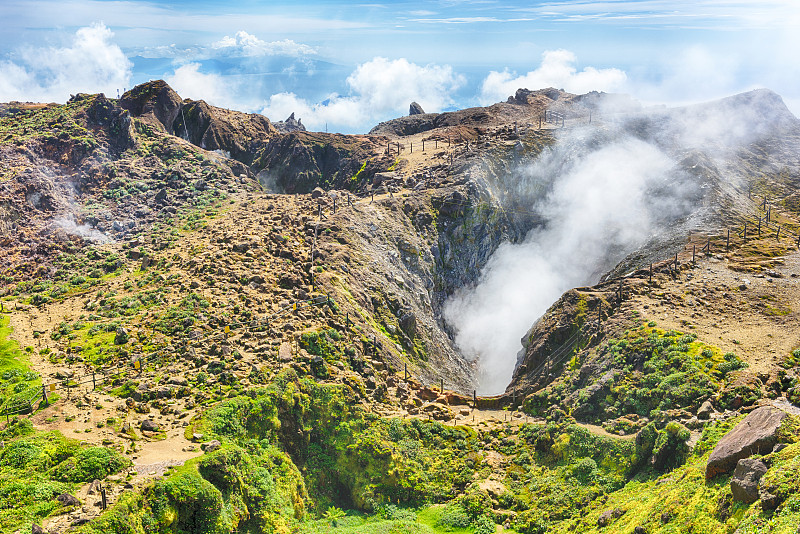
(556, 70)
(247, 45)
(379, 89)
(91, 64)
(189, 82)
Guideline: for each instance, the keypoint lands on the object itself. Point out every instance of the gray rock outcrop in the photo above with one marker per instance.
(755, 434)
(415, 109)
(744, 484)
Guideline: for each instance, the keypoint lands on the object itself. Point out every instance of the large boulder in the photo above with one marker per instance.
(68, 500)
(744, 484)
(705, 410)
(148, 425)
(415, 109)
(755, 434)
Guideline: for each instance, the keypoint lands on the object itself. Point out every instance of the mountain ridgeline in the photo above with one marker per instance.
(557, 313)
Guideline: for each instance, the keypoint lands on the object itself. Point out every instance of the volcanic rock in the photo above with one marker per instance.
(415, 109)
(755, 434)
(744, 484)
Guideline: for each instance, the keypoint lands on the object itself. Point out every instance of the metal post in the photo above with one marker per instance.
(694, 252)
(759, 227)
(778, 233)
(412, 147)
(728, 242)
(44, 394)
(745, 231)
(103, 497)
(441, 385)
(334, 205)
(405, 371)
(676, 261)
(474, 399)
(769, 214)
(651, 274)
(94, 382)
(423, 145)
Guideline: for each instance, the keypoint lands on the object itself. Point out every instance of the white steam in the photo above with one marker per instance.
(68, 224)
(599, 205)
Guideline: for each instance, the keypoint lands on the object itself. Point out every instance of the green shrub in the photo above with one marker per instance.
(476, 502)
(453, 515)
(89, 464)
(484, 525)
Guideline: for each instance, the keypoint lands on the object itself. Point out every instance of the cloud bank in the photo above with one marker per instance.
(556, 70)
(379, 89)
(244, 44)
(91, 63)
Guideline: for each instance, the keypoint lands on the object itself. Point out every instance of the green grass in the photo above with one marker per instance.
(365, 525)
(17, 380)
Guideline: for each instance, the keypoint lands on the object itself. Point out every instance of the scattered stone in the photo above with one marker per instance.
(769, 501)
(68, 500)
(755, 434)
(705, 410)
(121, 336)
(408, 323)
(62, 374)
(744, 484)
(149, 425)
(36, 529)
(210, 446)
(608, 516)
(94, 487)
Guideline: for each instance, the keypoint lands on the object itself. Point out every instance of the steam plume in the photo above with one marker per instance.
(601, 198)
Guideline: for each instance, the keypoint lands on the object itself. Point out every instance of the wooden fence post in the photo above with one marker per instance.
(728, 242)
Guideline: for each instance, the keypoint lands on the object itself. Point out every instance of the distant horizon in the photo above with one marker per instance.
(352, 66)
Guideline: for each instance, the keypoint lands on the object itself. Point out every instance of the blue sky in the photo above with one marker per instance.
(350, 65)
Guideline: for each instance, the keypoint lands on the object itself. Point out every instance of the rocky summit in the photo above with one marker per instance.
(557, 313)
